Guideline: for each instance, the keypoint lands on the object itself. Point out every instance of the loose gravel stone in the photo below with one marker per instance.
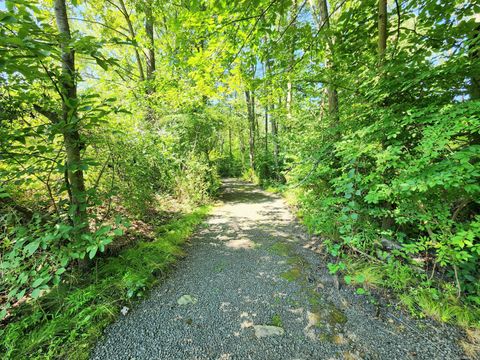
(267, 330)
(252, 264)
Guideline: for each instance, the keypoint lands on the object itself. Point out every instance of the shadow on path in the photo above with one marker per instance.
(252, 265)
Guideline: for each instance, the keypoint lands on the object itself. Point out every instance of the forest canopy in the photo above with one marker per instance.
(365, 114)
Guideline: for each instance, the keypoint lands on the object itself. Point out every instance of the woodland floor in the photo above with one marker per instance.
(252, 264)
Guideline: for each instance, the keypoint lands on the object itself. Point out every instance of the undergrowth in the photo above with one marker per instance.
(413, 288)
(66, 322)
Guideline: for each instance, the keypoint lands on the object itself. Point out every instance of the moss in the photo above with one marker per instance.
(292, 274)
(282, 249)
(330, 321)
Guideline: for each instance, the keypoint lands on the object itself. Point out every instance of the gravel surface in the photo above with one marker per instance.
(252, 264)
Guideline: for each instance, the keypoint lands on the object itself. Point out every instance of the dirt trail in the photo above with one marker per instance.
(254, 287)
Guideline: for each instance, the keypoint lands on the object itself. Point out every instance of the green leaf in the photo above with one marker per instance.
(4, 195)
(348, 279)
(103, 230)
(103, 64)
(36, 293)
(361, 291)
(21, 294)
(118, 232)
(92, 252)
(360, 278)
(38, 282)
(32, 247)
(8, 19)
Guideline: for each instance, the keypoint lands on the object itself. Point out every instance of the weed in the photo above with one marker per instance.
(276, 321)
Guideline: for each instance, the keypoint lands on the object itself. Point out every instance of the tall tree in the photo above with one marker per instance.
(150, 57)
(150, 41)
(251, 127)
(323, 21)
(131, 30)
(289, 97)
(69, 119)
(474, 54)
(382, 29)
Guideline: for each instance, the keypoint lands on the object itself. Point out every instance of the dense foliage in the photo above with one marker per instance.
(365, 113)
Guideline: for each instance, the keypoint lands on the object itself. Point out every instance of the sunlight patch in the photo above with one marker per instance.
(240, 244)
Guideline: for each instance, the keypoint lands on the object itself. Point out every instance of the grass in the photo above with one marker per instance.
(471, 345)
(67, 322)
(365, 274)
(276, 321)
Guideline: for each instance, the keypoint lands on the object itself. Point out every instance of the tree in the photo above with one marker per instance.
(69, 120)
(150, 42)
(125, 14)
(382, 30)
(332, 94)
(249, 98)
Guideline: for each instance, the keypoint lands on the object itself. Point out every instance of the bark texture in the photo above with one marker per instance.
(323, 21)
(382, 29)
(69, 119)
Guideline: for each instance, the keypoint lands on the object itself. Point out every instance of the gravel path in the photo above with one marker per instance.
(252, 264)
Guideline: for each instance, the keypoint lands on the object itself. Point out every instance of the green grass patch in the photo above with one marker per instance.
(67, 322)
(276, 320)
(421, 296)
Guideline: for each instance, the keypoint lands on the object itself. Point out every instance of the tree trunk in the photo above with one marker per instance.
(255, 119)
(73, 143)
(382, 30)
(266, 131)
(289, 98)
(151, 43)
(276, 140)
(474, 54)
(133, 36)
(150, 59)
(332, 94)
(251, 127)
(230, 152)
(288, 102)
(242, 148)
(267, 98)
